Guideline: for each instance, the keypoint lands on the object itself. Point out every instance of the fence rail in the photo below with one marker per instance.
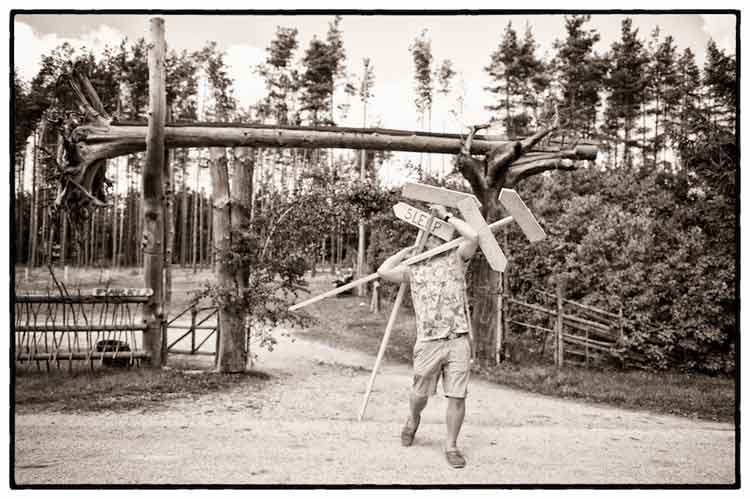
(595, 336)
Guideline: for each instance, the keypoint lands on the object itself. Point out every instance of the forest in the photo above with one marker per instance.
(650, 226)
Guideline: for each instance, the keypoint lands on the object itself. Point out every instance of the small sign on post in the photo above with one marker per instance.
(419, 219)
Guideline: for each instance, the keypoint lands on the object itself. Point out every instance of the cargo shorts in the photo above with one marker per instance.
(448, 358)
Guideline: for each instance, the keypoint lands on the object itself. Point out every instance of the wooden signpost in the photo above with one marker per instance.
(422, 236)
(520, 213)
(468, 205)
(420, 219)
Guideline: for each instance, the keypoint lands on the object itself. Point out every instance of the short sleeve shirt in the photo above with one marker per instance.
(438, 290)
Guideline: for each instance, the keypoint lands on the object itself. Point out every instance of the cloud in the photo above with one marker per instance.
(29, 46)
(241, 60)
(722, 29)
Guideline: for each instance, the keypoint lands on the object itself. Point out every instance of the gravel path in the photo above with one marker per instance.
(302, 429)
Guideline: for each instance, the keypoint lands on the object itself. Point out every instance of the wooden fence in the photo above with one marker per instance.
(100, 328)
(581, 334)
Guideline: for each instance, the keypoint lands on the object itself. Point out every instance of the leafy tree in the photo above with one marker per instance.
(24, 113)
(317, 82)
(181, 86)
(282, 79)
(212, 60)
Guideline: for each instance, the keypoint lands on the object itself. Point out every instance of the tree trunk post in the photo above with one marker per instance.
(231, 355)
(168, 175)
(153, 181)
(560, 343)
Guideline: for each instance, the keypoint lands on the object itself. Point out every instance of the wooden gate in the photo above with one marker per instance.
(195, 326)
(582, 334)
(103, 328)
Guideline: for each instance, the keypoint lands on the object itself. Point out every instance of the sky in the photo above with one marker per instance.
(467, 40)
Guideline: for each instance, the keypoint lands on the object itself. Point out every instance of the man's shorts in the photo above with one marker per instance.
(449, 358)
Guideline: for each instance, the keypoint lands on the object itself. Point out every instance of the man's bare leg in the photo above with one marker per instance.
(454, 419)
(416, 406)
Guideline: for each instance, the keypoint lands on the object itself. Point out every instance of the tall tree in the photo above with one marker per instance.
(534, 81)
(366, 83)
(720, 81)
(505, 75)
(579, 73)
(663, 82)
(424, 85)
(627, 84)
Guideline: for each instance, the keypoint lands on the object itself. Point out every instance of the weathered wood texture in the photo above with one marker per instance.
(231, 349)
(153, 180)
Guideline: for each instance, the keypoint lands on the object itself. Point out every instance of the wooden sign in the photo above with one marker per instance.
(419, 218)
(522, 215)
(437, 195)
(487, 242)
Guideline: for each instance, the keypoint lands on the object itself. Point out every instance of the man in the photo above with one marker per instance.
(443, 346)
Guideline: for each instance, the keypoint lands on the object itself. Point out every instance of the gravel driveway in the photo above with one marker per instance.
(303, 430)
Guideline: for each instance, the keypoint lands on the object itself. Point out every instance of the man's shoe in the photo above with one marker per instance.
(455, 458)
(407, 432)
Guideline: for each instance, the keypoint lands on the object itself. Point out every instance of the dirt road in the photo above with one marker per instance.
(303, 430)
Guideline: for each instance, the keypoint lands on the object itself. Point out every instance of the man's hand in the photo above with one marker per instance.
(438, 211)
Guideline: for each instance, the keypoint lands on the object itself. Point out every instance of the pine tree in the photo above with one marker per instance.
(317, 82)
(533, 82)
(579, 72)
(421, 51)
(281, 78)
(720, 80)
(627, 86)
(663, 82)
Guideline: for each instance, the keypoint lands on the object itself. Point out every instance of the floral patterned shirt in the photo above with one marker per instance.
(438, 291)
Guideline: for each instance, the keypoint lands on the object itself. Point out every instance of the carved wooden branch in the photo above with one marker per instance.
(500, 158)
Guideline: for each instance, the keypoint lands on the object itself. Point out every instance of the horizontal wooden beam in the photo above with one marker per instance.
(138, 354)
(124, 138)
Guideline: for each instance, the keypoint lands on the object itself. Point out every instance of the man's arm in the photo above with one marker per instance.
(471, 238)
(392, 269)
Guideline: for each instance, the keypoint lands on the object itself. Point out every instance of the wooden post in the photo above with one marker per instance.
(168, 175)
(193, 316)
(231, 355)
(506, 312)
(559, 343)
(421, 241)
(587, 347)
(153, 221)
(375, 301)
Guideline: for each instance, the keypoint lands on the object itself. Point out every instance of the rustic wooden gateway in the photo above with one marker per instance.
(91, 135)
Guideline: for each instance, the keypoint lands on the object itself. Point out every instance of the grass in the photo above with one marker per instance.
(346, 323)
(110, 389)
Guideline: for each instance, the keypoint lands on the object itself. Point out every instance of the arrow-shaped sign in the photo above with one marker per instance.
(488, 243)
(420, 218)
(521, 214)
(437, 195)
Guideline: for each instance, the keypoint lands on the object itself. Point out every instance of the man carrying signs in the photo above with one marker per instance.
(443, 347)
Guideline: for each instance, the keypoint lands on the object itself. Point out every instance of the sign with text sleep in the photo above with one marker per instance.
(420, 219)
